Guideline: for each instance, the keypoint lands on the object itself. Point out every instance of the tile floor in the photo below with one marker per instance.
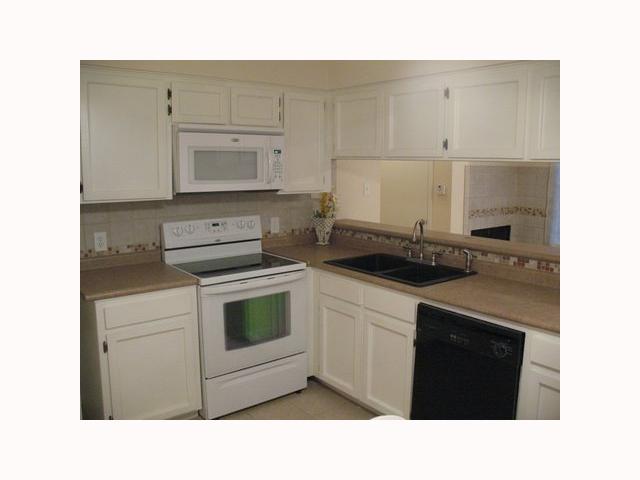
(317, 402)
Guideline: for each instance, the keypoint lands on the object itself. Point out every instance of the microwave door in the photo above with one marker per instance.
(212, 162)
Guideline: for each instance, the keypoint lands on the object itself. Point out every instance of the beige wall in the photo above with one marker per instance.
(351, 177)
(348, 73)
(404, 191)
(299, 73)
(320, 74)
(441, 206)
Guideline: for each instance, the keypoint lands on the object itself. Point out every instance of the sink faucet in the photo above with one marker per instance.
(420, 222)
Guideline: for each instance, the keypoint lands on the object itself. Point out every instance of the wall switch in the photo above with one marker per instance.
(366, 189)
(441, 189)
(100, 241)
(275, 225)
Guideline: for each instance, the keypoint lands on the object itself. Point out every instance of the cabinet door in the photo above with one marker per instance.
(486, 113)
(154, 369)
(125, 137)
(199, 103)
(388, 364)
(544, 112)
(358, 124)
(414, 117)
(540, 395)
(307, 167)
(256, 107)
(340, 344)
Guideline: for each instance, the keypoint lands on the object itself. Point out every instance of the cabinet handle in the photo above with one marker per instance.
(445, 144)
(81, 188)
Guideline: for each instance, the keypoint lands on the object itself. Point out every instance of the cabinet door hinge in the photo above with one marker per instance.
(105, 346)
(169, 110)
(446, 93)
(445, 144)
(110, 417)
(169, 93)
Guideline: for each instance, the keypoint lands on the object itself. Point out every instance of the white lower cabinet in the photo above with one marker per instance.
(539, 397)
(388, 364)
(364, 353)
(340, 344)
(139, 356)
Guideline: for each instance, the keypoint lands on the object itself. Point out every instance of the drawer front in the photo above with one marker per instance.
(340, 288)
(545, 351)
(145, 307)
(390, 303)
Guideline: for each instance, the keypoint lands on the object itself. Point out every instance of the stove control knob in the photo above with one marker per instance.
(177, 231)
(190, 229)
(251, 224)
(240, 224)
(501, 349)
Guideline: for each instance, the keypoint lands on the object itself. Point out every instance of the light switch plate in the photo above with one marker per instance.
(100, 241)
(275, 225)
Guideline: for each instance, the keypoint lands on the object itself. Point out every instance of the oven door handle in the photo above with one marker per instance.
(253, 284)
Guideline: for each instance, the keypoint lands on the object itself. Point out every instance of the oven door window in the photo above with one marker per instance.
(256, 320)
(226, 165)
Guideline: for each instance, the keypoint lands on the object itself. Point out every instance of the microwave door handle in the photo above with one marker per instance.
(252, 284)
(270, 163)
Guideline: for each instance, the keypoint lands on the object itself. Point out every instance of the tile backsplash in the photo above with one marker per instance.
(135, 226)
(508, 195)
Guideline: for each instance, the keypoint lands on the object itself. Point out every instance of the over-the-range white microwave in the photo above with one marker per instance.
(218, 162)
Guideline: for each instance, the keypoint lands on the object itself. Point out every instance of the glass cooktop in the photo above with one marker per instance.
(231, 265)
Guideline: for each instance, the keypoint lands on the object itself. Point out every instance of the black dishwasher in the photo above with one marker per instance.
(465, 368)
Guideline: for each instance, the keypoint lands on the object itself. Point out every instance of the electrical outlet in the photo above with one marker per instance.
(441, 189)
(366, 189)
(100, 241)
(275, 225)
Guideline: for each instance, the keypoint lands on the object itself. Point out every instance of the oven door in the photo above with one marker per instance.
(251, 322)
(211, 162)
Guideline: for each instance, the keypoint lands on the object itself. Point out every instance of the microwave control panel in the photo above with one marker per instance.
(278, 167)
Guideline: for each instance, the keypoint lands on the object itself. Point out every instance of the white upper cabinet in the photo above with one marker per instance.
(414, 125)
(358, 124)
(544, 112)
(486, 113)
(125, 137)
(307, 166)
(200, 103)
(256, 107)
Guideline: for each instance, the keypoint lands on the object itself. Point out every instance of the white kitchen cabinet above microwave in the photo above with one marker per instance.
(256, 107)
(200, 103)
(125, 137)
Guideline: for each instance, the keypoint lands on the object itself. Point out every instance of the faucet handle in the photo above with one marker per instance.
(409, 252)
(434, 256)
(468, 260)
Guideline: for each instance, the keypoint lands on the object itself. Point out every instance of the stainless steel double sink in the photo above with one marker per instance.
(403, 270)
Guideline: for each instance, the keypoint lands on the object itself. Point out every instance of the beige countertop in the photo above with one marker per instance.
(117, 281)
(520, 302)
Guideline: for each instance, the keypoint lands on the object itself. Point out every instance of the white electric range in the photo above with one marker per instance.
(252, 311)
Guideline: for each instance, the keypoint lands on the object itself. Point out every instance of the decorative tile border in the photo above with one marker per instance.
(519, 262)
(148, 247)
(140, 247)
(501, 211)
